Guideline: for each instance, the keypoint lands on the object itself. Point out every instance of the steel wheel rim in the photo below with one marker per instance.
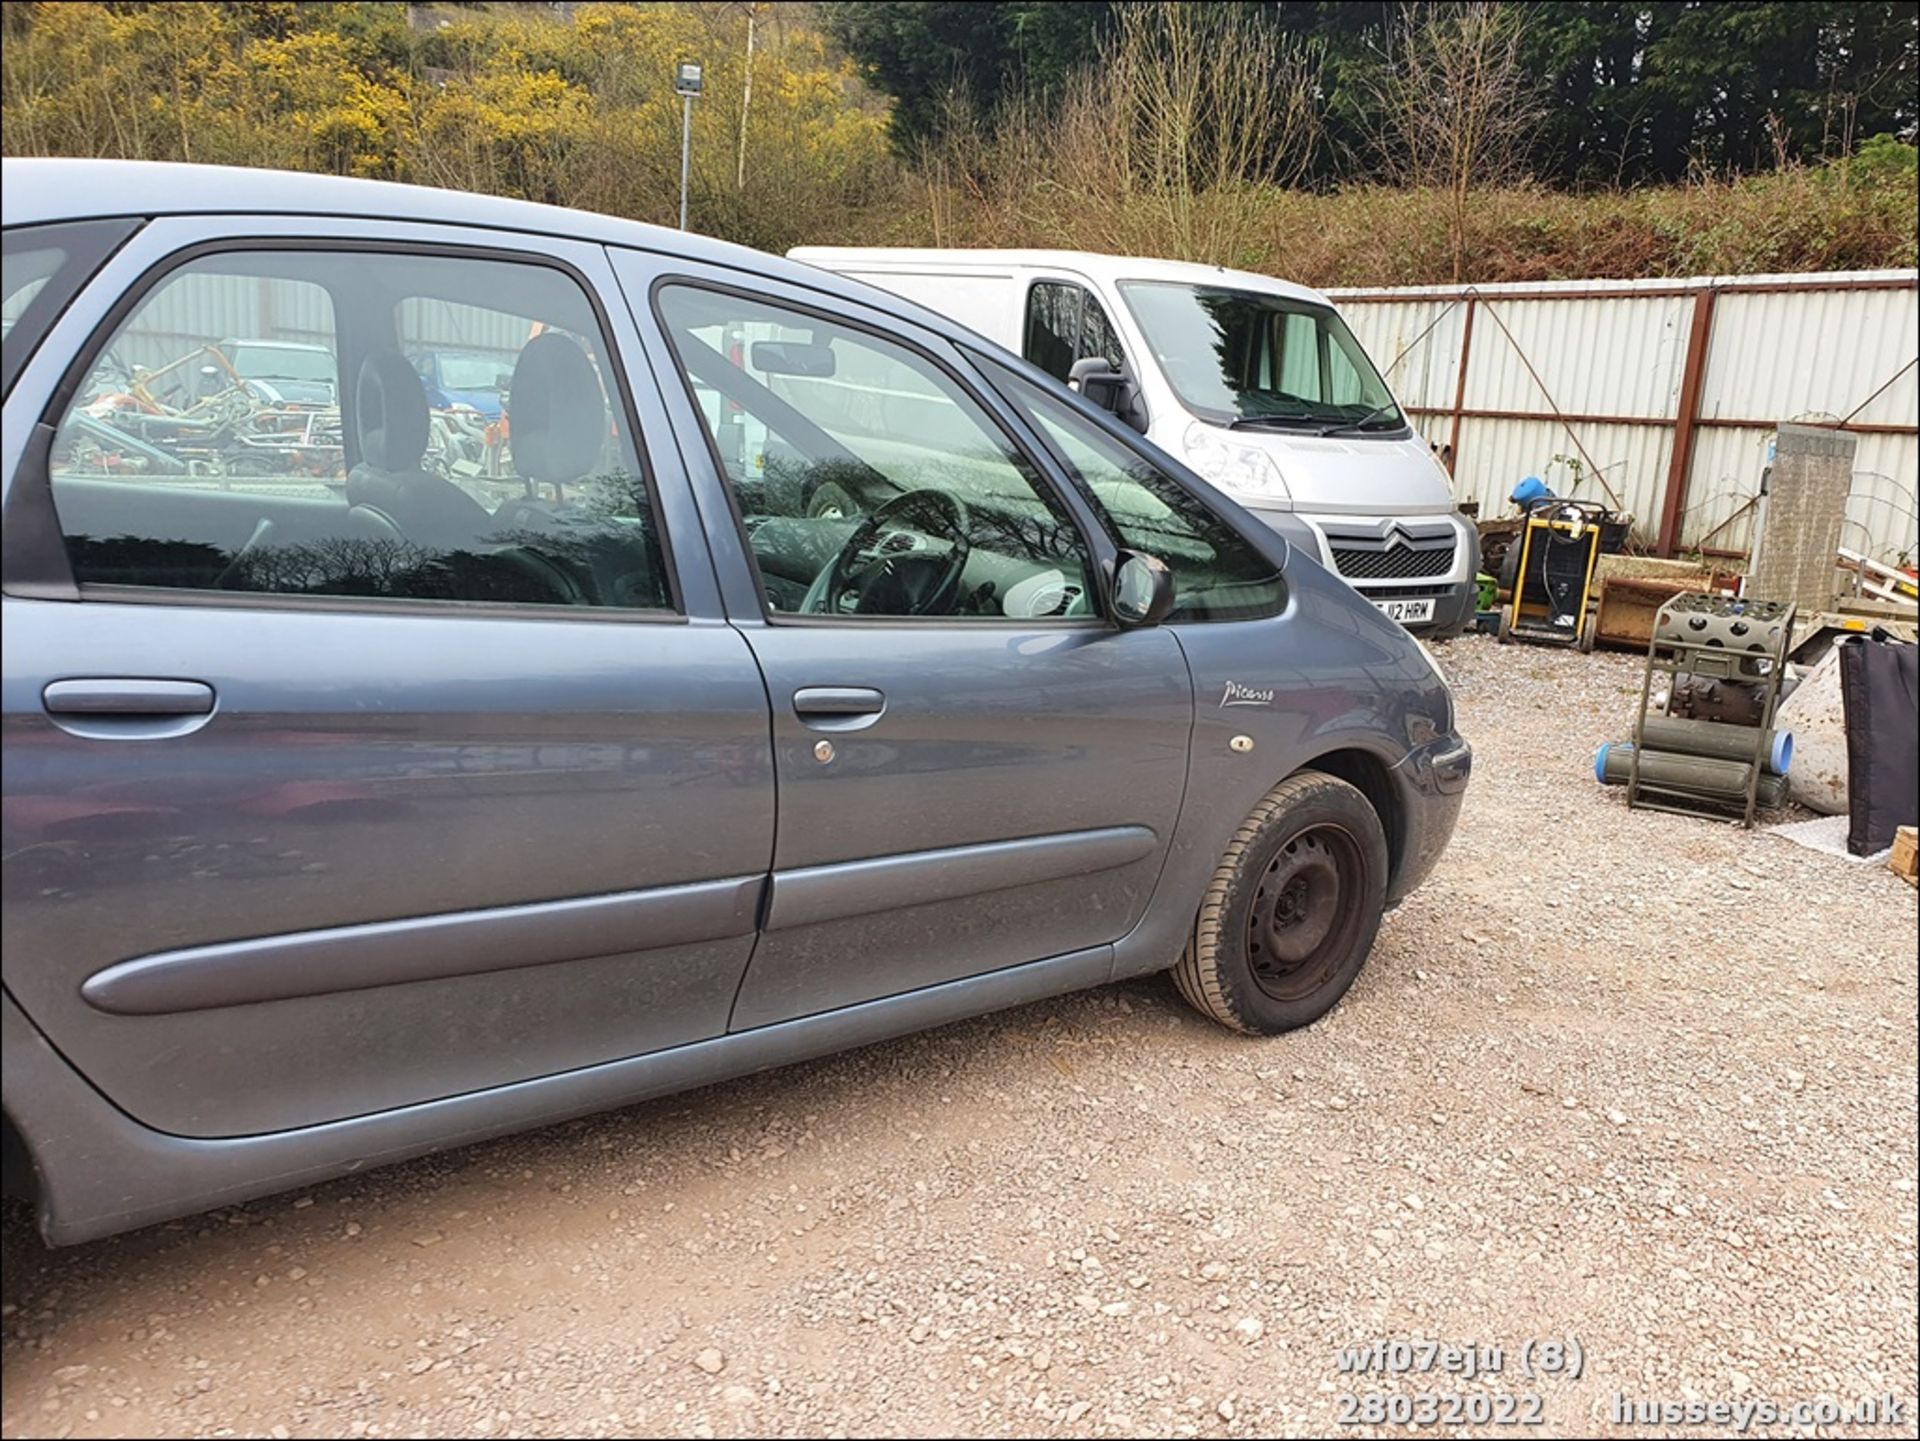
(1302, 919)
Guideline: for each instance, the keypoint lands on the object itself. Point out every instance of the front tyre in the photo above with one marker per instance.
(1292, 910)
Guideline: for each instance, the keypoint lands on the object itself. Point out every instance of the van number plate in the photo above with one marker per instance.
(1409, 611)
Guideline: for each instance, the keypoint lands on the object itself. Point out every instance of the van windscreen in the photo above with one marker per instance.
(1238, 356)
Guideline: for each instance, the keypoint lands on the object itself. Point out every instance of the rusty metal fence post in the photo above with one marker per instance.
(1460, 388)
(1673, 507)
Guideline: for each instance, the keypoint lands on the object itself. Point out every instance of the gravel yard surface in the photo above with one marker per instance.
(1636, 1081)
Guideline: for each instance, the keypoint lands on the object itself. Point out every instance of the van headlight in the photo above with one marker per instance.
(1245, 469)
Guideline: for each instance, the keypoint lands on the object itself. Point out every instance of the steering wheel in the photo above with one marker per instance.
(904, 559)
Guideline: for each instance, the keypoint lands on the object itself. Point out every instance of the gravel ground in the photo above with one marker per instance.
(1637, 1080)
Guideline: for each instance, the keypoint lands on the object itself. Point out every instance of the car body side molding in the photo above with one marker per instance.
(83, 1192)
(814, 894)
(425, 948)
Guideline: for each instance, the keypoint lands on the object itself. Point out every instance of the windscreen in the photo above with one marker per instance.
(1265, 360)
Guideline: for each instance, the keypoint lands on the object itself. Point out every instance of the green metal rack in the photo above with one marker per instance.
(1717, 638)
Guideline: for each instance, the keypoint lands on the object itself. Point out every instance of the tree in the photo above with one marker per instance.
(1171, 142)
(981, 55)
(1455, 106)
(1635, 91)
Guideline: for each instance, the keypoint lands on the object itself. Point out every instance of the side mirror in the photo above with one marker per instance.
(793, 357)
(1112, 390)
(1095, 378)
(1142, 589)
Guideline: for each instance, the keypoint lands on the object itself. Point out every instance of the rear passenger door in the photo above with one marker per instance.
(360, 751)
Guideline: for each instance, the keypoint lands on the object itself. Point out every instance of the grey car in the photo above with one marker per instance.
(382, 776)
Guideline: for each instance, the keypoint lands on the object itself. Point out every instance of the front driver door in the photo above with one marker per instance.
(975, 769)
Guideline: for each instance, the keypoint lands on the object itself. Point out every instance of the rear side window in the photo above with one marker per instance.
(379, 426)
(42, 268)
(1217, 574)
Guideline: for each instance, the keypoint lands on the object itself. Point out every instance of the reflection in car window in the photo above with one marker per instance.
(870, 483)
(1217, 574)
(227, 439)
(1065, 324)
(1053, 327)
(1097, 335)
(42, 268)
(26, 274)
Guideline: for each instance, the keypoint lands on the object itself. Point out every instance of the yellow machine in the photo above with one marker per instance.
(1550, 572)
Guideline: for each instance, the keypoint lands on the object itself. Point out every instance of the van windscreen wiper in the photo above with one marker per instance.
(1359, 426)
(1272, 422)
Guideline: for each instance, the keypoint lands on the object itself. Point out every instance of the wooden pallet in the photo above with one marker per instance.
(1905, 861)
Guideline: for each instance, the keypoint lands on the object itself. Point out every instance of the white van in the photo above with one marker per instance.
(1255, 383)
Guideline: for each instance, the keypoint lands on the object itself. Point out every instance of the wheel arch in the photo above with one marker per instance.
(1369, 774)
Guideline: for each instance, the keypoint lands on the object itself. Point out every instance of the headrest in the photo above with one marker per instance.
(555, 413)
(390, 412)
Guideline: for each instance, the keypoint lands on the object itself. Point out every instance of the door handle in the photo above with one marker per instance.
(128, 697)
(128, 709)
(838, 707)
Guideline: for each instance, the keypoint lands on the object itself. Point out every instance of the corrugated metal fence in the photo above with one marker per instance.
(1661, 396)
(199, 309)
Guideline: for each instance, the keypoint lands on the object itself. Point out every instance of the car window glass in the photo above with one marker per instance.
(25, 275)
(1053, 327)
(1298, 341)
(42, 268)
(227, 437)
(869, 482)
(1217, 574)
(1097, 335)
(1347, 386)
(1249, 355)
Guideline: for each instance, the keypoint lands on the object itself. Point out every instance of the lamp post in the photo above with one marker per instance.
(686, 84)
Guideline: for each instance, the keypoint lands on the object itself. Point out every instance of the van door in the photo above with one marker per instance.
(355, 759)
(976, 770)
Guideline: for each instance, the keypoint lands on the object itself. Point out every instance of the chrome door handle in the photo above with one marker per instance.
(128, 710)
(128, 697)
(838, 707)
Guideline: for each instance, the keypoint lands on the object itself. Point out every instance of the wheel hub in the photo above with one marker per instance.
(1299, 902)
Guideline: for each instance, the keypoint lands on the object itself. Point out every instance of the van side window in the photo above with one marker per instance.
(466, 446)
(1217, 574)
(1097, 335)
(1053, 327)
(1064, 324)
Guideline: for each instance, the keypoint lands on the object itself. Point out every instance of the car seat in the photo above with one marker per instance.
(557, 419)
(388, 494)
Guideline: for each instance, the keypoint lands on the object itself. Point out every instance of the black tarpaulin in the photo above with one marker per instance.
(1880, 689)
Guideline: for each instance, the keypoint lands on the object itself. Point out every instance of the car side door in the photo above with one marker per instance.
(354, 758)
(987, 780)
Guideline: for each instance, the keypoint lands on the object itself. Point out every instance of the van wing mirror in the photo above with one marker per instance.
(1113, 390)
(1142, 589)
(793, 357)
(1095, 377)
